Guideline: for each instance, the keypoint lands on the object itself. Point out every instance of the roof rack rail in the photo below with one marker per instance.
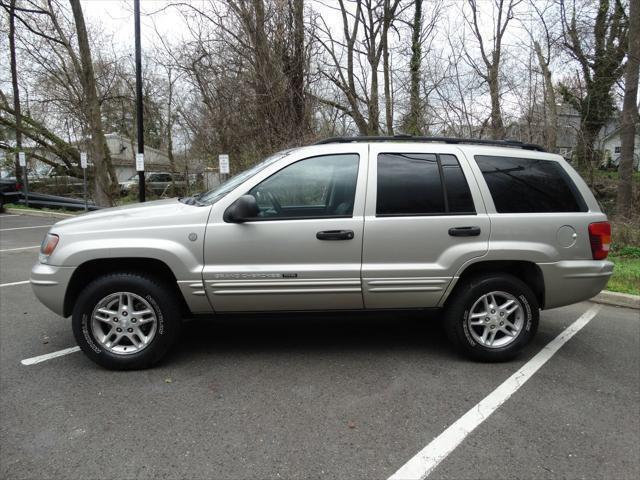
(452, 140)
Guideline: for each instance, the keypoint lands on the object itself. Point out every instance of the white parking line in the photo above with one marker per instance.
(427, 459)
(49, 356)
(24, 228)
(13, 283)
(8, 215)
(19, 248)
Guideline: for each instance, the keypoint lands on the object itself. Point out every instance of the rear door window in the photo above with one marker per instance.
(524, 185)
(421, 184)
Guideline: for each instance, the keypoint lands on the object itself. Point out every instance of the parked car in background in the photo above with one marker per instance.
(159, 183)
(489, 232)
(57, 182)
(8, 186)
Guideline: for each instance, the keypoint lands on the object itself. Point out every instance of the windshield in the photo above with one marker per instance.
(221, 190)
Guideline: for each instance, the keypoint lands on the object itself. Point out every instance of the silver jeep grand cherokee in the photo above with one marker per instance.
(490, 232)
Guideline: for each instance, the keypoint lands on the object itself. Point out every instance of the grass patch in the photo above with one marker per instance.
(609, 174)
(18, 206)
(626, 275)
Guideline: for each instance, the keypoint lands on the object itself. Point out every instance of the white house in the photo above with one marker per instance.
(123, 157)
(610, 145)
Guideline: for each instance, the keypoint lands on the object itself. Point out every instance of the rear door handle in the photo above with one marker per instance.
(335, 235)
(464, 231)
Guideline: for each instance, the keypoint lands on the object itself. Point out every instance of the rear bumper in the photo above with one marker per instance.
(573, 281)
(49, 283)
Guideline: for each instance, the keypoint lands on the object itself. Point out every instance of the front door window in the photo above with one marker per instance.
(317, 187)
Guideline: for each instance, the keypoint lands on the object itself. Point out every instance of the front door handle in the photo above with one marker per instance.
(335, 235)
(464, 231)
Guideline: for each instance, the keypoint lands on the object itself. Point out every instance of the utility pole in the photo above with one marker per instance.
(139, 119)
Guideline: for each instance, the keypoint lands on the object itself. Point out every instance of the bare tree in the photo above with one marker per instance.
(629, 114)
(599, 46)
(413, 121)
(491, 53)
(344, 78)
(52, 49)
(365, 32)
(105, 180)
(543, 49)
(16, 87)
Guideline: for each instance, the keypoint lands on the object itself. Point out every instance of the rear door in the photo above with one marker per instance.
(304, 250)
(424, 219)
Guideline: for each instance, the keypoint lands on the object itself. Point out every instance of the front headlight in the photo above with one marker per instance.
(49, 244)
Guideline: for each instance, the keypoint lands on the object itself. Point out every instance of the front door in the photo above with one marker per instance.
(303, 250)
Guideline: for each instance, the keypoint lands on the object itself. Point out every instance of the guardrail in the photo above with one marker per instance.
(41, 200)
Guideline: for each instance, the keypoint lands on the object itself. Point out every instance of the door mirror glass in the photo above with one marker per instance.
(243, 209)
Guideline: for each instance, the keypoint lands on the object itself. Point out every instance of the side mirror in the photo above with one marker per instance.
(243, 209)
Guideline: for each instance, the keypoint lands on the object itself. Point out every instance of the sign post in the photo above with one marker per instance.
(83, 165)
(223, 165)
(22, 160)
(139, 106)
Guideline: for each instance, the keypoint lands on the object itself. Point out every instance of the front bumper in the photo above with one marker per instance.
(574, 281)
(49, 283)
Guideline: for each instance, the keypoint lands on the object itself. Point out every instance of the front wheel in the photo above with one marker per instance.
(492, 317)
(126, 321)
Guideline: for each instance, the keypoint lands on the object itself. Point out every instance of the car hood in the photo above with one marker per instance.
(159, 213)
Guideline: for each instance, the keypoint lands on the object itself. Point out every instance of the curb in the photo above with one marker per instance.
(38, 213)
(618, 299)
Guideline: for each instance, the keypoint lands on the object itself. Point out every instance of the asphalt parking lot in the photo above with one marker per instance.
(308, 396)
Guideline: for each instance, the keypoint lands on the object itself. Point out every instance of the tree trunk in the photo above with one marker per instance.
(373, 108)
(497, 126)
(585, 149)
(388, 100)
(264, 77)
(297, 75)
(629, 114)
(413, 125)
(104, 175)
(16, 88)
(172, 162)
(551, 117)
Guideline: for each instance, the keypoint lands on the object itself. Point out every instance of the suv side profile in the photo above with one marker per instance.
(488, 232)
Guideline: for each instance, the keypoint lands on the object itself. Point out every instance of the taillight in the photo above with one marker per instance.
(600, 238)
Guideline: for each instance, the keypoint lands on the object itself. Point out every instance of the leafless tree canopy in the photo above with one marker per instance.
(249, 77)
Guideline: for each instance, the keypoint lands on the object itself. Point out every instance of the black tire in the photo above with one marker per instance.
(162, 299)
(465, 296)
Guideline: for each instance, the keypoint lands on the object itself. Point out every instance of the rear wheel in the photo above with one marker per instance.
(126, 321)
(492, 317)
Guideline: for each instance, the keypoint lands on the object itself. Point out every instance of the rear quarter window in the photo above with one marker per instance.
(524, 185)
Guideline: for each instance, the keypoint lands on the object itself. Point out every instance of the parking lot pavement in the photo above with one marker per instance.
(307, 396)
(20, 231)
(576, 418)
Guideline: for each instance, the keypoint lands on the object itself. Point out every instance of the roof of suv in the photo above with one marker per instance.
(448, 140)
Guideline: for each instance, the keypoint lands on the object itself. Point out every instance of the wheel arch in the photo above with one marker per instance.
(92, 269)
(527, 272)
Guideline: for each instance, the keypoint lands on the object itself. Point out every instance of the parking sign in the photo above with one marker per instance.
(140, 162)
(223, 161)
(22, 159)
(83, 159)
